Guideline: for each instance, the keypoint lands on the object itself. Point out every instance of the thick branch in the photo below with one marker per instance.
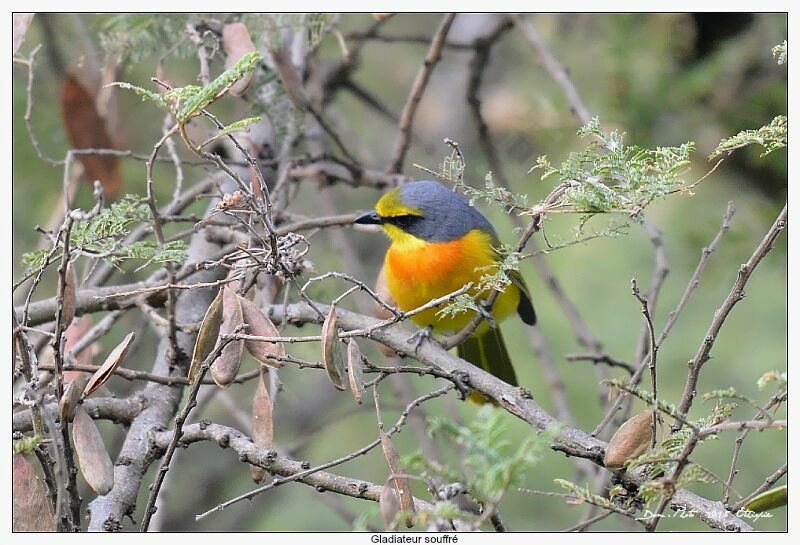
(275, 464)
(517, 401)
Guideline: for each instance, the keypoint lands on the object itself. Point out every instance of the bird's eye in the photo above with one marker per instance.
(405, 222)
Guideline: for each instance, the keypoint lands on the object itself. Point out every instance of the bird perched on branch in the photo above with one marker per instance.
(439, 244)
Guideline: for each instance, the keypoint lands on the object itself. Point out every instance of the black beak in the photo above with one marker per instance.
(369, 218)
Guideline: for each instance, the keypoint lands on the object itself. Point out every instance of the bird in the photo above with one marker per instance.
(439, 244)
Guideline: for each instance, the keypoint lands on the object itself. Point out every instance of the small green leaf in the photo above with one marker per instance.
(242, 125)
(208, 94)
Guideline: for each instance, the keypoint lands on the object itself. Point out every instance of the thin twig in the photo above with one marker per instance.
(736, 294)
(403, 140)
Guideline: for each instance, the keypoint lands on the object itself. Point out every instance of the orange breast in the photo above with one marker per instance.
(419, 272)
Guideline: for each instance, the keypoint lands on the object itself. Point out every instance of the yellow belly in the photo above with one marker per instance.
(417, 271)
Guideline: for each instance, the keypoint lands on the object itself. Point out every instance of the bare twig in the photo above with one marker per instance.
(415, 94)
(763, 487)
(555, 69)
(736, 294)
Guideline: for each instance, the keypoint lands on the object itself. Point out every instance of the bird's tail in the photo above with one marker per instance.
(488, 351)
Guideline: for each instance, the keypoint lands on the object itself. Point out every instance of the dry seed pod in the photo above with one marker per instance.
(382, 289)
(263, 428)
(236, 42)
(332, 351)
(389, 505)
(631, 440)
(226, 366)
(93, 458)
(355, 370)
(31, 510)
(207, 335)
(68, 301)
(258, 324)
(73, 335)
(113, 360)
(400, 483)
(86, 129)
(290, 78)
(69, 400)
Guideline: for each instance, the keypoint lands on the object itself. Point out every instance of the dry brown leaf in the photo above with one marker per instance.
(381, 16)
(332, 350)
(382, 289)
(631, 440)
(93, 458)
(113, 360)
(258, 324)
(226, 366)
(20, 25)
(236, 42)
(87, 129)
(207, 335)
(262, 422)
(389, 505)
(400, 483)
(68, 302)
(355, 370)
(30, 507)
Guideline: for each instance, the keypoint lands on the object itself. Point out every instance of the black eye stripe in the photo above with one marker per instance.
(403, 222)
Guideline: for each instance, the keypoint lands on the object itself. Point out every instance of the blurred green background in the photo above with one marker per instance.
(663, 79)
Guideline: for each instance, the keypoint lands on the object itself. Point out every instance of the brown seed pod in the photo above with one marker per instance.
(207, 335)
(225, 368)
(631, 440)
(389, 505)
(263, 428)
(68, 297)
(236, 42)
(355, 370)
(86, 128)
(332, 350)
(93, 458)
(31, 510)
(113, 360)
(69, 400)
(258, 324)
(401, 484)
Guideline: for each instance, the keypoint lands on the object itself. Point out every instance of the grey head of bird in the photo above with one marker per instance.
(429, 211)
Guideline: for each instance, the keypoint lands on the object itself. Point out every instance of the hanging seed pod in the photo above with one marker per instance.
(263, 425)
(258, 324)
(389, 505)
(207, 335)
(225, 368)
(355, 370)
(236, 42)
(331, 350)
(69, 400)
(93, 458)
(631, 440)
(114, 359)
(31, 511)
(68, 297)
(401, 484)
